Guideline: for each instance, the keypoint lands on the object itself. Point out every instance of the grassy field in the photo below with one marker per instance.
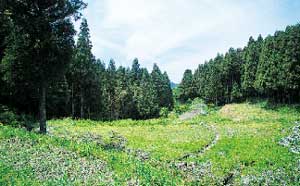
(238, 144)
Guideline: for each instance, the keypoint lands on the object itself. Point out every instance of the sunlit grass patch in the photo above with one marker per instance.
(246, 112)
(249, 143)
(164, 142)
(122, 166)
(256, 148)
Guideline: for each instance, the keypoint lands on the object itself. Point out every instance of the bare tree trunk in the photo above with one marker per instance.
(42, 109)
(81, 104)
(227, 96)
(73, 104)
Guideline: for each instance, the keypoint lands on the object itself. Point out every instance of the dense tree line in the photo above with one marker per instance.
(265, 68)
(111, 92)
(44, 69)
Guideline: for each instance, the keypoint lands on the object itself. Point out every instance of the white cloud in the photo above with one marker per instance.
(163, 31)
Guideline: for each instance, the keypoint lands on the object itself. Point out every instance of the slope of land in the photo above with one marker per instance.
(238, 144)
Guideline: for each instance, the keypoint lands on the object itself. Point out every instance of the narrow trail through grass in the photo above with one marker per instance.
(205, 148)
(238, 144)
(199, 110)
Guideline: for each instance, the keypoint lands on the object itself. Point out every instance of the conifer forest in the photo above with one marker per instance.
(70, 117)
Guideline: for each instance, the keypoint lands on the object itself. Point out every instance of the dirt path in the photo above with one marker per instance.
(206, 147)
(190, 115)
(199, 109)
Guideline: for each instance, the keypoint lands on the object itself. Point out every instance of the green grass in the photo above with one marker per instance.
(163, 142)
(247, 151)
(249, 136)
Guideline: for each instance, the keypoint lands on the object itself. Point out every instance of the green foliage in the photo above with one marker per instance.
(88, 89)
(116, 142)
(264, 68)
(164, 112)
(186, 87)
(251, 57)
(162, 88)
(181, 108)
(39, 50)
(278, 70)
(114, 92)
(9, 117)
(236, 93)
(250, 149)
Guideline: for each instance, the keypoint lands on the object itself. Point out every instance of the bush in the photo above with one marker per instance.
(172, 115)
(197, 101)
(8, 117)
(116, 142)
(179, 109)
(27, 121)
(164, 112)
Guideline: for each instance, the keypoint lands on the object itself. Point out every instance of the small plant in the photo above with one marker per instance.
(269, 177)
(164, 112)
(293, 140)
(91, 138)
(198, 172)
(179, 109)
(139, 154)
(116, 141)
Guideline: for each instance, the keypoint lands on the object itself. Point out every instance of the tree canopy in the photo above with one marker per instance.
(265, 68)
(44, 69)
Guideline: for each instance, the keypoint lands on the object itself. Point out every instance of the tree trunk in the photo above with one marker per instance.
(42, 109)
(73, 104)
(227, 93)
(81, 104)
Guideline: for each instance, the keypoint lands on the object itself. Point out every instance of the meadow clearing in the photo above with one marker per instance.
(237, 144)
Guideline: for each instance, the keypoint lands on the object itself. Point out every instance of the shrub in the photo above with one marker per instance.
(172, 115)
(116, 142)
(27, 121)
(164, 112)
(197, 101)
(179, 109)
(8, 117)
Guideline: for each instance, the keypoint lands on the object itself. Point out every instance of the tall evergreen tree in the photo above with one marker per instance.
(231, 71)
(186, 87)
(111, 88)
(215, 89)
(291, 64)
(162, 87)
(136, 72)
(146, 97)
(48, 29)
(81, 70)
(267, 67)
(168, 93)
(251, 59)
(266, 73)
(17, 73)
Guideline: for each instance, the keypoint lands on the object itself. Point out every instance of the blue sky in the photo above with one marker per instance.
(180, 34)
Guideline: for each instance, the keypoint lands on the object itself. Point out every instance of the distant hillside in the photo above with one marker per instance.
(173, 85)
